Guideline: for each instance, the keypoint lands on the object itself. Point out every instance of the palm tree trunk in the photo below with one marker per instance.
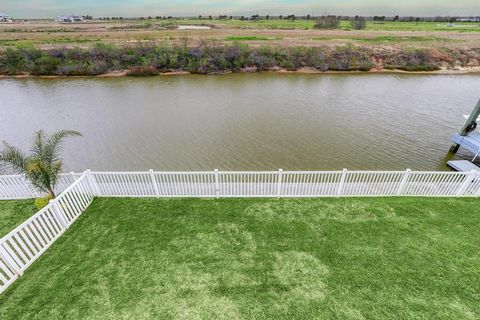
(50, 192)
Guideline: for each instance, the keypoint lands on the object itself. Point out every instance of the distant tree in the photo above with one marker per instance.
(210, 18)
(254, 17)
(396, 18)
(327, 22)
(291, 17)
(358, 23)
(280, 17)
(267, 17)
(42, 167)
(308, 17)
(200, 17)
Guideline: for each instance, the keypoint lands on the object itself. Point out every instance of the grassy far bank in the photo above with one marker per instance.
(399, 258)
(211, 58)
(272, 23)
(13, 213)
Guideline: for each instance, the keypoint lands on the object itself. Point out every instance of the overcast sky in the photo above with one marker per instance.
(52, 8)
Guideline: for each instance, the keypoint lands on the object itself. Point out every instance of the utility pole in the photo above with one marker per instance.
(464, 132)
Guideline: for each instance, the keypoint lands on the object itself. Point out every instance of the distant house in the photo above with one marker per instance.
(5, 18)
(469, 19)
(71, 18)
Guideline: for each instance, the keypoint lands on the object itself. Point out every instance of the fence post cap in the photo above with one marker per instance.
(409, 170)
(280, 170)
(151, 170)
(344, 170)
(88, 171)
(72, 173)
(216, 170)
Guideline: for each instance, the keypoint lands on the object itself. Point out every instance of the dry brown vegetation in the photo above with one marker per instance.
(47, 34)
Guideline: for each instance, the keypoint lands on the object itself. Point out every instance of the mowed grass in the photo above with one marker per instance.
(13, 213)
(402, 258)
(250, 38)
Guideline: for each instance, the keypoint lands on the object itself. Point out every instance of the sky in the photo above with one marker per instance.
(130, 8)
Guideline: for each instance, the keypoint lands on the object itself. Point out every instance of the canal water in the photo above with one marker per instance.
(245, 121)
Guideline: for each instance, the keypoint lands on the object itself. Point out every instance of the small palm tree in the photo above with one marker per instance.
(42, 167)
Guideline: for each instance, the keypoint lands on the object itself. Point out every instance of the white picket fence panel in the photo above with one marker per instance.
(286, 184)
(15, 187)
(23, 245)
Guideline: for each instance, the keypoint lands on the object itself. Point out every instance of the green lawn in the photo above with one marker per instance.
(403, 258)
(13, 213)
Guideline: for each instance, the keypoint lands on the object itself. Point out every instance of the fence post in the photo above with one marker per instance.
(404, 181)
(466, 183)
(342, 182)
(477, 176)
(95, 188)
(217, 184)
(279, 182)
(9, 261)
(154, 182)
(59, 213)
(73, 176)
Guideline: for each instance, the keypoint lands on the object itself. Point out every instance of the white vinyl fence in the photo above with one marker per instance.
(286, 184)
(23, 245)
(17, 187)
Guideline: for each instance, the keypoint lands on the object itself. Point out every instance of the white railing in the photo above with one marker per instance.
(14, 187)
(23, 245)
(286, 184)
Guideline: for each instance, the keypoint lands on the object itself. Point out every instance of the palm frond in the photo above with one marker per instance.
(13, 158)
(53, 144)
(38, 143)
(43, 166)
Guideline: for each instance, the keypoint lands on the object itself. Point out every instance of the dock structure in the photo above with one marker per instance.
(469, 136)
(471, 142)
(463, 166)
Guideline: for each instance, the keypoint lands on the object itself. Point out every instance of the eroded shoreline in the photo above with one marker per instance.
(312, 71)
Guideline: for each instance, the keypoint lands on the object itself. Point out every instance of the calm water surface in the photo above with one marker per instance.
(244, 122)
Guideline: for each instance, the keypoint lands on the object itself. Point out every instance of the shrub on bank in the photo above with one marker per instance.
(414, 60)
(208, 58)
(143, 71)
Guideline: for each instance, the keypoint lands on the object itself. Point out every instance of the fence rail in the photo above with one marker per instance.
(286, 184)
(23, 245)
(15, 187)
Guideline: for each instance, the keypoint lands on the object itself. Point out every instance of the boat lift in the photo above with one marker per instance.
(468, 138)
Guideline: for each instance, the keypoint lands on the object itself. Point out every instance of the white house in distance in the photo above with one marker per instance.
(5, 18)
(71, 18)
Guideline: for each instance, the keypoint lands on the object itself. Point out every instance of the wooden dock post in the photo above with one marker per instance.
(464, 132)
